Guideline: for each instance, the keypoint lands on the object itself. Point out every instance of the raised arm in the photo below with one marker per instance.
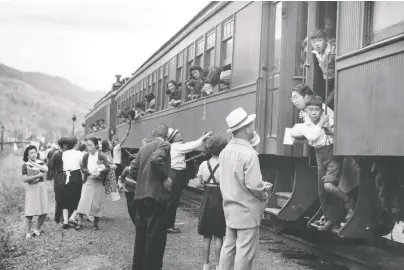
(253, 177)
(188, 147)
(126, 135)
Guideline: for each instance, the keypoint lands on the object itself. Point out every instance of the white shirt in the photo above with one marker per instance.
(71, 160)
(178, 151)
(205, 173)
(117, 154)
(92, 162)
(314, 134)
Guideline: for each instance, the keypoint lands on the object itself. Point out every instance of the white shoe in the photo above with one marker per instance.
(36, 233)
(27, 236)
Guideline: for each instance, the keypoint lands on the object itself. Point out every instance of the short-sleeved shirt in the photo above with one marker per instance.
(117, 154)
(205, 173)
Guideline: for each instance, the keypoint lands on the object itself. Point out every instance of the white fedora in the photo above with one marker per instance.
(238, 119)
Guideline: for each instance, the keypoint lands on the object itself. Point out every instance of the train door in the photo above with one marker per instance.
(296, 185)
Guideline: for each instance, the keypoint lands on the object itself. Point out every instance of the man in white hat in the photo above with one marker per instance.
(244, 193)
(179, 172)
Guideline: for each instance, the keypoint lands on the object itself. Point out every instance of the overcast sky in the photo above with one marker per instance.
(88, 42)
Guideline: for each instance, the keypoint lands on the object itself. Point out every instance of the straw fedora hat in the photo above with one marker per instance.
(238, 119)
(171, 134)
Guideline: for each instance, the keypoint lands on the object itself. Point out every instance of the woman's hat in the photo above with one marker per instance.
(238, 119)
(256, 140)
(171, 134)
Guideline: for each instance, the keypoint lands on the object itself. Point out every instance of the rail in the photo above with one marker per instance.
(351, 254)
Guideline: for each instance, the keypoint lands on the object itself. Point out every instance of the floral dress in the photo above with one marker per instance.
(110, 181)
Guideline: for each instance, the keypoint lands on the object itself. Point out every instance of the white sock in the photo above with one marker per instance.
(73, 216)
(65, 216)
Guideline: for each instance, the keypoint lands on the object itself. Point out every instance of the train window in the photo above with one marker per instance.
(227, 43)
(191, 52)
(387, 20)
(210, 49)
(166, 69)
(150, 79)
(302, 46)
(180, 62)
(278, 36)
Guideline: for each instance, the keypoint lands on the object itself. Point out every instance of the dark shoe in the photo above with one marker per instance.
(96, 227)
(66, 226)
(73, 222)
(78, 227)
(326, 227)
(173, 230)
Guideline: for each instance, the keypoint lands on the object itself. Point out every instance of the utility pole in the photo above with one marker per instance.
(74, 120)
(2, 136)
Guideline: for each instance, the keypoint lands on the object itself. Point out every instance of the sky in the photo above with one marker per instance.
(88, 41)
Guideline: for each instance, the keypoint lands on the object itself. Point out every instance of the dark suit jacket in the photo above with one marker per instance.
(150, 168)
(102, 158)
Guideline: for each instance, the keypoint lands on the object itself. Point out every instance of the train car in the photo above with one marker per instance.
(260, 45)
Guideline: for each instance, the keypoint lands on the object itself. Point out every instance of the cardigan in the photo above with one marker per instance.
(102, 158)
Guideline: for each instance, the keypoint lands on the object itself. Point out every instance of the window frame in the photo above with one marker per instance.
(224, 40)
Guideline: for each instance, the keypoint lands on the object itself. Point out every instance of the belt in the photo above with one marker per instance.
(68, 175)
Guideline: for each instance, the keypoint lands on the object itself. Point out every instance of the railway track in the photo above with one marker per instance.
(355, 255)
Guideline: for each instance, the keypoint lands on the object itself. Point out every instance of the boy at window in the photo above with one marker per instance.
(173, 93)
(324, 50)
(139, 109)
(329, 166)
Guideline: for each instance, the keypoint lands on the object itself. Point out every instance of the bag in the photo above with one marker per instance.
(115, 196)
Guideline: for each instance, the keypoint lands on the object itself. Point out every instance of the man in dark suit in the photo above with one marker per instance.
(151, 170)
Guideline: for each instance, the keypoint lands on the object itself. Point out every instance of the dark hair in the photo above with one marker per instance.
(26, 151)
(149, 97)
(175, 83)
(215, 144)
(302, 89)
(195, 68)
(94, 140)
(62, 142)
(318, 33)
(71, 142)
(161, 130)
(315, 101)
(105, 145)
(82, 147)
(132, 157)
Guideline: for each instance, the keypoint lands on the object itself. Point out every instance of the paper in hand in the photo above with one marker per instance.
(288, 140)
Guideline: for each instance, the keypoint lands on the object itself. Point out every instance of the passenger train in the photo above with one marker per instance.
(261, 43)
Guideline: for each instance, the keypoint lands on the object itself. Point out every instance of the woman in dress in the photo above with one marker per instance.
(111, 184)
(56, 167)
(211, 216)
(95, 167)
(36, 196)
(73, 180)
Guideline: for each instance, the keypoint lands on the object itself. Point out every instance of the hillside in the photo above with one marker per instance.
(36, 103)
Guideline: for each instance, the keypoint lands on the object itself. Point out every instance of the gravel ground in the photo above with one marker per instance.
(111, 247)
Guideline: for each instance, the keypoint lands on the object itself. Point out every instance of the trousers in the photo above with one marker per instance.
(131, 204)
(179, 178)
(239, 249)
(151, 235)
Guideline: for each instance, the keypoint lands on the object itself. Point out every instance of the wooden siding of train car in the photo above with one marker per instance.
(370, 89)
(193, 118)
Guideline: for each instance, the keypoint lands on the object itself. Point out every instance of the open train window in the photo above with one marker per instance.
(180, 63)
(386, 19)
(190, 59)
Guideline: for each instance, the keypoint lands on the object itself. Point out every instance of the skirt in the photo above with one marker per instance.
(92, 198)
(211, 215)
(73, 191)
(36, 199)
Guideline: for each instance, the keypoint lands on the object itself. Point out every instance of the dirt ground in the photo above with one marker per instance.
(111, 248)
